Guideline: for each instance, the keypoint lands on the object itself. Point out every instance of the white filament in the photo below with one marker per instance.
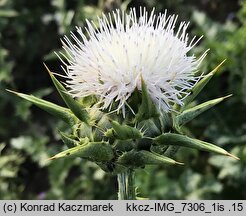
(111, 61)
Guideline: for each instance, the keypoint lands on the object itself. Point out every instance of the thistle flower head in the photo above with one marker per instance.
(124, 54)
(124, 49)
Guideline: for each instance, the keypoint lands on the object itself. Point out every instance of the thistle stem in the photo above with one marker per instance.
(126, 185)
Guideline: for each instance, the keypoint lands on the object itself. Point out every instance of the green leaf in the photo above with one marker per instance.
(58, 111)
(94, 151)
(78, 110)
(147, 108)
(199, 86)
(125, 132)
(189, 114)
(141, 158)
(182, 140)
(154, 158)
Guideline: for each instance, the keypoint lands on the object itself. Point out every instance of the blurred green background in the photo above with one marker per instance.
(30, 32)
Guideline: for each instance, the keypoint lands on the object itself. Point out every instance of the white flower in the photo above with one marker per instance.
(110, 62)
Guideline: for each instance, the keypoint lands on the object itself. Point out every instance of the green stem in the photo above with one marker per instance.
(126, 185)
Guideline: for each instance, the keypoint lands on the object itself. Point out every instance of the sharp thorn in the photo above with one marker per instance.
(232, 156)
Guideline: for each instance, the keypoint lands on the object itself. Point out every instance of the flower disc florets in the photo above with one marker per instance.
(111, 61)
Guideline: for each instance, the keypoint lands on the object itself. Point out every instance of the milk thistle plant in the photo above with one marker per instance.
(129, 85)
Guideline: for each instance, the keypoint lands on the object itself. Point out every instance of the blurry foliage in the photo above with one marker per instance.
(10, 161)
(29, 33)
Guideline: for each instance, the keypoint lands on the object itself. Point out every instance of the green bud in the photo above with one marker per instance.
(93, 151)
(181, 140)
(58, 111)
(189, 114)
(78, 110)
